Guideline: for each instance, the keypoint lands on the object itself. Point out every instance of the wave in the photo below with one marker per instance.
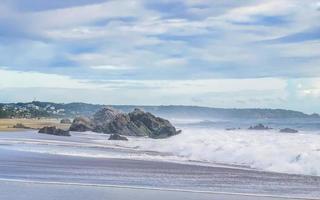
(265, 150)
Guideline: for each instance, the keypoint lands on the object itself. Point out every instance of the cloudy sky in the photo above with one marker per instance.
(193, 52)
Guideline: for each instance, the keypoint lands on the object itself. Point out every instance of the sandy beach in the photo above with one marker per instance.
(42, 161)
(34, 123)
(52, 191)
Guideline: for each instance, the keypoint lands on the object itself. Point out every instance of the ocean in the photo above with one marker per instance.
(204, 157)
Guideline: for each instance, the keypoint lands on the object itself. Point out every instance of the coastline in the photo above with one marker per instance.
(119, 167)
(121, 192)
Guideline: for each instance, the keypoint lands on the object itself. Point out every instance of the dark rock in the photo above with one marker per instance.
(122, 124)
(52, 130)
(136, 123)
(117, 137)
(232, 129)
(152, 126)
(65, 121)
(104, 116)
(20, 125)
(259, 127)
(315, 115)
(82, 124)
(288, 130)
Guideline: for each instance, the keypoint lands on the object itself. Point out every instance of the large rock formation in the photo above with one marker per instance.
(135, 123)
(52, 130)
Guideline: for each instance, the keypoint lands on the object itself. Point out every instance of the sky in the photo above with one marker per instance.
(231, 54)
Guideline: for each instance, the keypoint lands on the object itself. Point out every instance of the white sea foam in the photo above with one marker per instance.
(265, 150)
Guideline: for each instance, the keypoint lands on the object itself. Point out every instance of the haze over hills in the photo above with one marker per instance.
(50, 109)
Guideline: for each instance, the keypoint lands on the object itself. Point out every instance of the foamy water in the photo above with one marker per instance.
(265, 150)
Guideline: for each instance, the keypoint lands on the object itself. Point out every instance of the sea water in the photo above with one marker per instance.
(201, 142)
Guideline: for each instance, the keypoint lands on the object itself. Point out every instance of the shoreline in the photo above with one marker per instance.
(120, 147)
(154, 189)
(128, 173)
(40, 158)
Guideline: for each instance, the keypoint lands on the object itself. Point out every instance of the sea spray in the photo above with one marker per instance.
(265, 150)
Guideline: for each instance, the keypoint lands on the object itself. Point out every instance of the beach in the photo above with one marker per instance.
(51, 191)
(33, 161)
(33, 123)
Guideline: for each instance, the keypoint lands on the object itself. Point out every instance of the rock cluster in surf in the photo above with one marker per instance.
(52, 130)
(135, 123)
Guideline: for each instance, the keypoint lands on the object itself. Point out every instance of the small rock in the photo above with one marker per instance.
(65, 121)
(288, 130)
(232, 129)
(117, 137)
(52, 130)
(20, 125)
(259, 127)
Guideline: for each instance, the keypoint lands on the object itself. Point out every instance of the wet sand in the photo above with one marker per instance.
(53, 191)
(166, 175)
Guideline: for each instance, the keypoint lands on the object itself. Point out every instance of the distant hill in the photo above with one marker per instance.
(49, 109)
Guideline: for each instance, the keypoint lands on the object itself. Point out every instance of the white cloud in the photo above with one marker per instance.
(268, 8)
(255, 92)
(309, 88)
(172, 62)
(305, 49)
(89, 13)
(17, 79)
(109, 67)
(202, 42)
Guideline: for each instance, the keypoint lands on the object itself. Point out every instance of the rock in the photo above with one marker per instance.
(52, 130)
(232, 129)
(82, 124)
(65, 121)
(135, 123)
(123, 125)
(20, 125)
(259, 127)
(315, 115)
(152, 126)
(117, 137)
(104, 116)
(288, 130)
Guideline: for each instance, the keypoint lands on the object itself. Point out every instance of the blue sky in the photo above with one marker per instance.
(193, 52)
